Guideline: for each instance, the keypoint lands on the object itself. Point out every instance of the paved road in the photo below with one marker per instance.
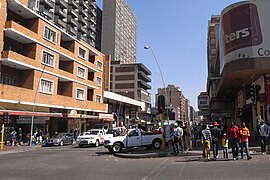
(95, 163)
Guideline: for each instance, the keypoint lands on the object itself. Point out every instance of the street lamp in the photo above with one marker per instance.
(149, 47)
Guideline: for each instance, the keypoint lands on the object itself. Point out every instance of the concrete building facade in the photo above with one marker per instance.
(132, 80)
(119, 31)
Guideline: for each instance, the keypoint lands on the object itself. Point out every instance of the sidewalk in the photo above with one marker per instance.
(141, 152)
(15, 149)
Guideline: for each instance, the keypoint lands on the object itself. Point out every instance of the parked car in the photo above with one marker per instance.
(91, 137)
(60, 139)
(134, 138)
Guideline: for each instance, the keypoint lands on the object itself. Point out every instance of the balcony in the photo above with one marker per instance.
(94, 5)
(84, 3)
(93, 28)
(72, 21)
(74, 4)
(92, 35)
(60, 12)
(83, 20)
(83, 29)
(73, 12)
(45, 12)
(61, 23)
(84, 37)
(72, 30)
(62, 3)
(83, 12)
(92, 20)
(48, 3)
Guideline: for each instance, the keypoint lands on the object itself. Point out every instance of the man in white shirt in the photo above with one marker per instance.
(178, 138)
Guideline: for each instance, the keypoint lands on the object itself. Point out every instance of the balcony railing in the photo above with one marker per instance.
(63, 4)
(48, 3)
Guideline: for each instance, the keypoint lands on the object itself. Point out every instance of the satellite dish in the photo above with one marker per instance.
(73, 111)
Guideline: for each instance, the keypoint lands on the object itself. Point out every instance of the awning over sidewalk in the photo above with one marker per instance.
(28, 113)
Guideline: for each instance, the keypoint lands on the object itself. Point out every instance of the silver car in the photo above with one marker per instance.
(60, 139)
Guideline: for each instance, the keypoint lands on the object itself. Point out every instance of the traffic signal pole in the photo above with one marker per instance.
(161, 109)
(259, 116)
(2, 136)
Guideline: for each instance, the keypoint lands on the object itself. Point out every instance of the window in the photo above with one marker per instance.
(99, 81)
(80, 94)
(99, 65)
(47, 59)
(9, 80)
(50, 35)
(82, 53)
(98, 98)
(81, 72)
(46, 86)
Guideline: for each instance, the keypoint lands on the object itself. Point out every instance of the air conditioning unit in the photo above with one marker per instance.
(51, 10)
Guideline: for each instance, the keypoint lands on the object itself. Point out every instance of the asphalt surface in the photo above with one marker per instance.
(72, 162)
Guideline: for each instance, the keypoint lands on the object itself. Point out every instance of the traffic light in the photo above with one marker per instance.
(6, 117)
(161, 103)
(253, 93)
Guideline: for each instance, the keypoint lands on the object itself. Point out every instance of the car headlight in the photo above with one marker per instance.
(91, 138)
(57, 140)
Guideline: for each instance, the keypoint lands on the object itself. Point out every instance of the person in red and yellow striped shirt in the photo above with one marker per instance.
(244, 134)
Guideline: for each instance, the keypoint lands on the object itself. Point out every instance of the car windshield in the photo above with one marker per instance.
(92, 132)
(59, 135)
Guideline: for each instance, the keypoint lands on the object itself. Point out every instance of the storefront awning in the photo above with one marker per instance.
(28, 113)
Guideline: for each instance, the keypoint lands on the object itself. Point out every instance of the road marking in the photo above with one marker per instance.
(153, 171)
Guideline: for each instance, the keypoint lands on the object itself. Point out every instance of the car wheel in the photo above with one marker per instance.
(156, 144)
(117, 147)
(61, 143)
(97, 143)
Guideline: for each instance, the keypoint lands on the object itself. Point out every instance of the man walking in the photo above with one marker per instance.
(216, 136)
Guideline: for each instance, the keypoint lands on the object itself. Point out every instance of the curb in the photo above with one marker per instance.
(141, 156)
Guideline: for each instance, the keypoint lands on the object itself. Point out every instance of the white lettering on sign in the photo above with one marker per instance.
(236, 35)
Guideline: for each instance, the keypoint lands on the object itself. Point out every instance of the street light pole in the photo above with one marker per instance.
(165, 90)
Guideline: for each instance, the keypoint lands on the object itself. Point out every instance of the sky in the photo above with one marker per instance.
(176, 30)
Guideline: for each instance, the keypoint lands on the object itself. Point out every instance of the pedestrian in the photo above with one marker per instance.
(206, 142)
(187, 137)
(13, 137)
(75, 134)
(263, 133)
(225, 143)
(244, 134)
(233, 136)
(178, 139)
(20, 134)
(216, 136)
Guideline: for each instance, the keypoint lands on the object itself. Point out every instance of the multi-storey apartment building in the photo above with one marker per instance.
(119, 31)
(47, 73)
(132, 80)
(77, 17)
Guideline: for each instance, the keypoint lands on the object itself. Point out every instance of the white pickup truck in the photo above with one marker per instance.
(91, 137)
(134, 138)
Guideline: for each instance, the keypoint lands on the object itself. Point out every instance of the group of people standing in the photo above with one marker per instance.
(234, 136)
(181, 138)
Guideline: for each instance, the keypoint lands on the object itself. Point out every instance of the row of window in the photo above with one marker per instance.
(49, 60)
(47, 86)
(51, 36)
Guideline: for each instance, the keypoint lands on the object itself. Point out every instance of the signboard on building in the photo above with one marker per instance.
(203, 102)
(244, 30)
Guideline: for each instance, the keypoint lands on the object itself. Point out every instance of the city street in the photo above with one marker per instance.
(71, 162)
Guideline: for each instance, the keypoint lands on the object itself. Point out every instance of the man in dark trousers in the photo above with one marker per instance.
(234, 137)
(216, 136)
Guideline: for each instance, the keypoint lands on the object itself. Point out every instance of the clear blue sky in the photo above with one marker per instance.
(177, 32)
